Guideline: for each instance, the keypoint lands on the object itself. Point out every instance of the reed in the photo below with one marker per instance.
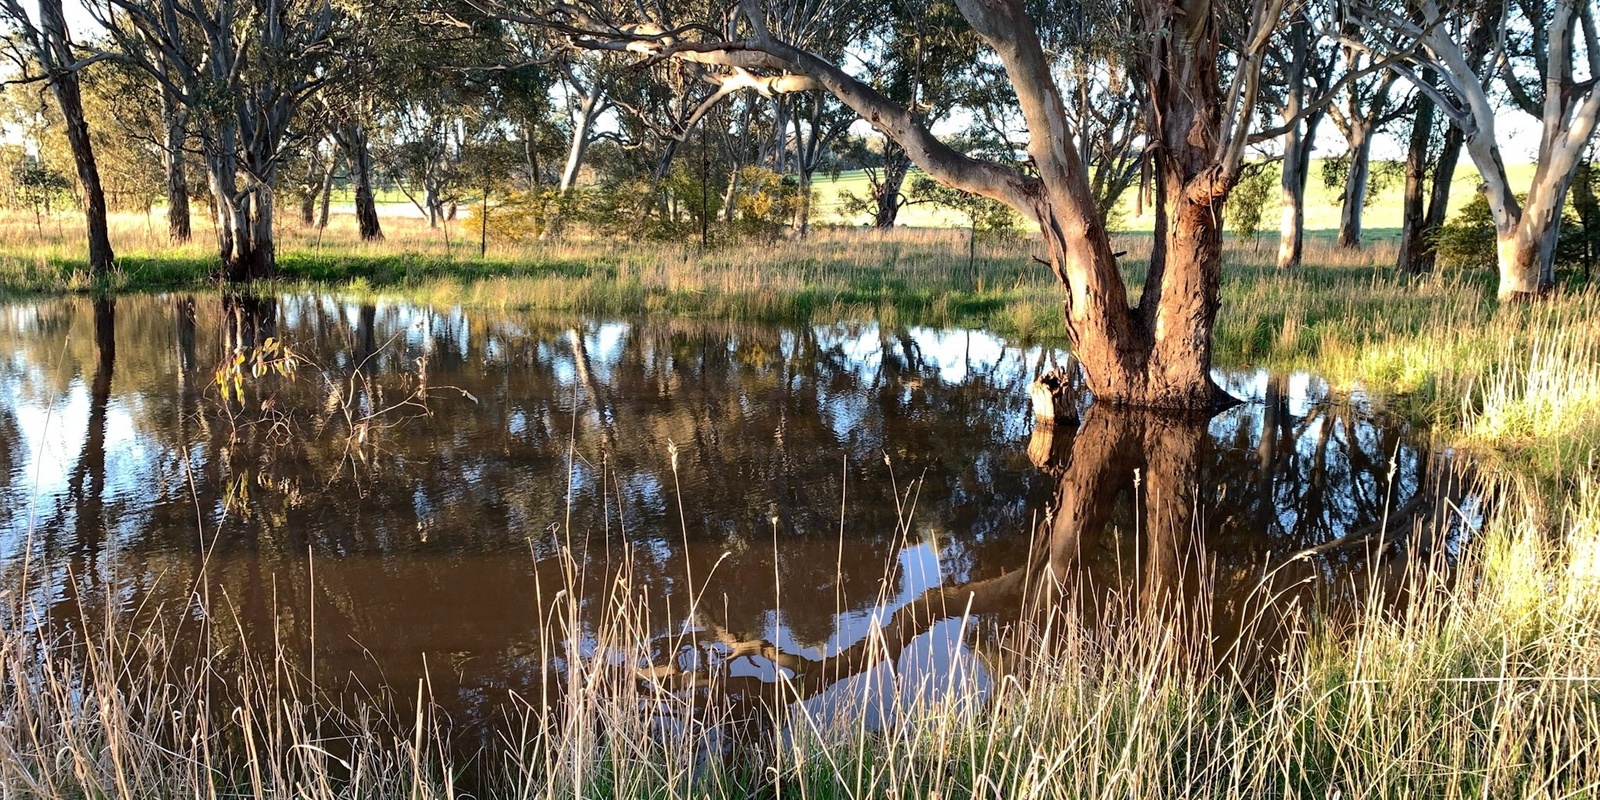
(1487, 686)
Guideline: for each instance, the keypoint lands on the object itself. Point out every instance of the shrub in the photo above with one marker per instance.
(764, 203)
(1468, 240)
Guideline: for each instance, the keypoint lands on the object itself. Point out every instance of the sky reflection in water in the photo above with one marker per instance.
(414, 485)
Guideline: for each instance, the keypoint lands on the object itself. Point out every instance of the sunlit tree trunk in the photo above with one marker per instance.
(588, 109)
(1355, 187)
(174, 118)
(53, 45)
(358, 155)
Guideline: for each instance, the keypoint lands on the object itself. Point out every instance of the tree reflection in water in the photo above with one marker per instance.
(849, 495)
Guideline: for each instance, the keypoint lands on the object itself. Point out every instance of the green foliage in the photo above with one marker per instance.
(1580, 227)
(764, 203)
(527, 216)
(983, 215)
(1381, 174)
(1468, 241)
(1248, 201)
(624, 209)
(38, 187)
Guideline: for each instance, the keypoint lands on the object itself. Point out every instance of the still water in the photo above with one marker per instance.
(378, 494)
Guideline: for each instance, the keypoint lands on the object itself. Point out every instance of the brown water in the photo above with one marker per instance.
(405, 502)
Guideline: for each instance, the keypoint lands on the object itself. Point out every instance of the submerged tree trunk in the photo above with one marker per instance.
(57, 57)
(87, 482)
(1097, 464)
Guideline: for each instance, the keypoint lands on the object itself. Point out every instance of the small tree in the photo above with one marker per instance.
(1249, 200)
(983, 214)
(38, 187)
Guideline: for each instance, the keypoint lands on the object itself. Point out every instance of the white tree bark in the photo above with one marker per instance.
(1526, 231)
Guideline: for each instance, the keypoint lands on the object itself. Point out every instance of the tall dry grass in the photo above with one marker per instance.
(1487, 685)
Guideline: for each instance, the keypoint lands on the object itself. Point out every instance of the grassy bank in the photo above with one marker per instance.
(1486, 684)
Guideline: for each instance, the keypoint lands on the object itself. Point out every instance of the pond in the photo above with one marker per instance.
(381, 494)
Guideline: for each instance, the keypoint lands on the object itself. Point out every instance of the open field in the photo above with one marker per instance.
(1483, 685)
(1382, 219)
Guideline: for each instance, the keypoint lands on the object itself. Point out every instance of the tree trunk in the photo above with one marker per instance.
(1444, 173)
(359, 156)
(664, 162)
(1588, 209)
(57, 57)
(1414, 214)
(1527, 255)
(729, 212)
(1297, 146)
(179, 229)
(1098, 463)
(1292, 184)
(244, 232)
(327, 195)
(430, 199)
(580, 139)
(802, 204)
(1158, 354)
(1355, 189)
(895, 166)
(530, 155)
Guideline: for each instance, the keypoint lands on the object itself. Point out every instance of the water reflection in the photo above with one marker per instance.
(389, 492)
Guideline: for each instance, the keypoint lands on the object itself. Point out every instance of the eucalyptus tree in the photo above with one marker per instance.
(1535, 60)
(1302, 65)
(927, 61)
(1432, 151)
(128, 136)
(1093, 48)
(465, 89)
(48, 46)
(1202, 98)
(585, 81)
(242, 70)
(818, 124)
(1361, 107)
(1096, 47)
